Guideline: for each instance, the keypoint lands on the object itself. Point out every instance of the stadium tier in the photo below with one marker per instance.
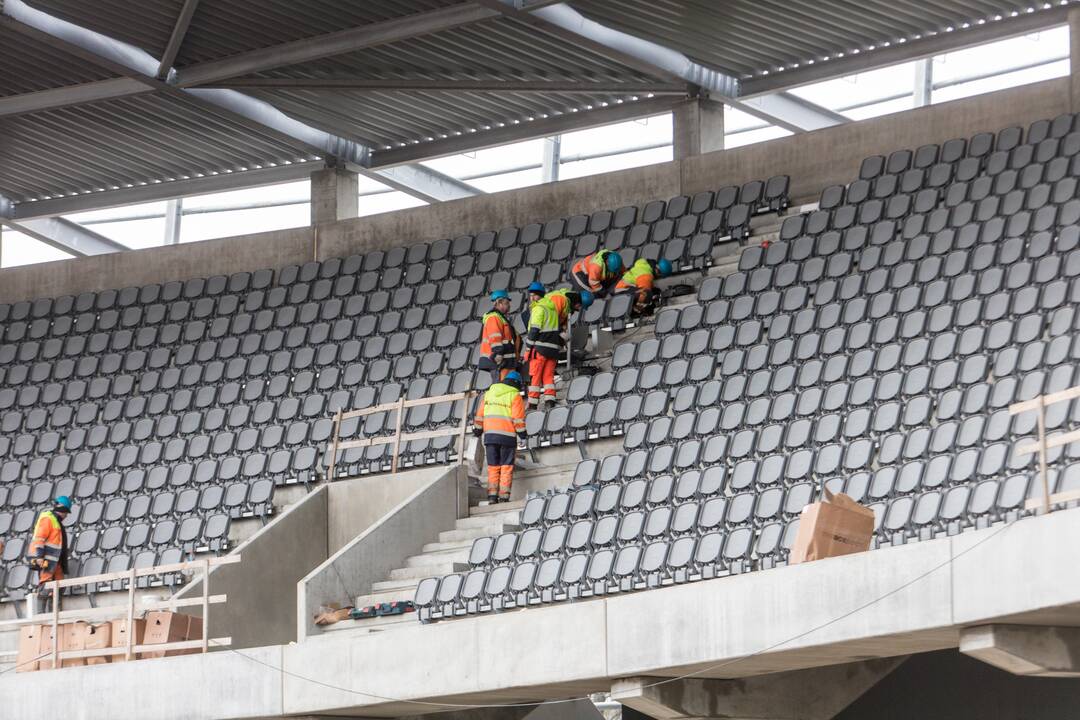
(874, 348)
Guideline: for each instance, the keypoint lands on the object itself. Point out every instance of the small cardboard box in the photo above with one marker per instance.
(73, 637)
(120, 636)
(97, 637)
(30, 647)
(835, 526)
(167, 627)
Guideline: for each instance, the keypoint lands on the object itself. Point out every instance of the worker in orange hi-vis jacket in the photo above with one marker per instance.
(500, 344)
(500, 419)
(598, 272)
(48, 548)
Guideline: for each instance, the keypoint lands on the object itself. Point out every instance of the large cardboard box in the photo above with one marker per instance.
(97, 637)
(835, 526)
(167, 627)
(73, 637)
(120, 636)
(30, 647)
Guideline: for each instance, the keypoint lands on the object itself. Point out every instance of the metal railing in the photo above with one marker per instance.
(1043, 443)
(126, 611)
(338, 445)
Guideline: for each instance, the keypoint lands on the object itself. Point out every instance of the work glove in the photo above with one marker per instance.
(477, 431)
(39, 563)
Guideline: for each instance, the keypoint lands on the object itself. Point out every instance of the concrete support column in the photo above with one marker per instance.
(924, 82)
(1041, 651)
(552, 158)
(816, 694)
(335, 195)
(1074, 58)
(174, 215)
(697, 128)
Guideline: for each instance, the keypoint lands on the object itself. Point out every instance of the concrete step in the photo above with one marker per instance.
(400, 589)
(473, 533)
(438, 557)
(385, 622)
(419, 573)
(446, 546)
(392, 595)
(506, 517)
(485, 509)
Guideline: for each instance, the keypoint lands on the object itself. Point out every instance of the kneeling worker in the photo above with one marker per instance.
(545, 342)
(598, 272)
(641, 279)
(500, 418)
(499, 342)
(48, 549)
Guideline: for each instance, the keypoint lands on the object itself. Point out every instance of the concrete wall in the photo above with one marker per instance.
(814, 160)
(417, 519)
(261, 608)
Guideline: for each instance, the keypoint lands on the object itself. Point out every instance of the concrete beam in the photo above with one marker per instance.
(697, 128)
(816, 694)
(926, 46)
(422, 182)
(790, 112)
(335, 195)
(1046, 651)
(339, 43)
(176, 39)
(66, 235)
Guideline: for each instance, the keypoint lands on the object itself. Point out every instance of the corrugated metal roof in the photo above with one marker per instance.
(747, 37)
(123, 143)
(27, 66)
(144, 23)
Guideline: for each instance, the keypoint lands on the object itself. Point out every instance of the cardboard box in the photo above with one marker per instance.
(73, 637)
(167, 627)
(119, 637)
(29, 647)
(835, 526)
(97, 637)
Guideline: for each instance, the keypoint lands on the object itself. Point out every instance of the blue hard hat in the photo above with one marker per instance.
(63, 501)
(500, 295)
(663, 266)
(513, 376)
(537, 287)
(614, 262)
(586, 299)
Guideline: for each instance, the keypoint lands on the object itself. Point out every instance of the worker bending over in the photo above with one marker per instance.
(536, 294)
(499, 341)
(598, 272)
(545, 341)
(48, 549)
(641, 280)
(500, 419)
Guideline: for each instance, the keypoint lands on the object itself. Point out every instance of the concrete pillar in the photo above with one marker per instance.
(1074, 58)
(697, 128)
(335, 195)
(1041, 651)
(814, 694)
(924, 82)
(174, 215)
(552, 158)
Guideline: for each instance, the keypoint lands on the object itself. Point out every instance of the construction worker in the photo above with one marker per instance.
(598, 272)
(500, 419)
(547, 322)
(536, 294)
(641, 279)
(48, 549)
(500, 344)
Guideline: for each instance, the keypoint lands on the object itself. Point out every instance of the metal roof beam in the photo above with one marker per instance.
(207, 185)
(176, 39)
(338, 43)
(660, 59)
(546, 127)
(66, 235)
(421, 182)
(790, 112)
(926, 46)
(71, 95)
(348, 82)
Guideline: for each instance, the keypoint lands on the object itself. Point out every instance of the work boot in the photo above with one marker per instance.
(493, 499)
(504, 498)
(550, 403)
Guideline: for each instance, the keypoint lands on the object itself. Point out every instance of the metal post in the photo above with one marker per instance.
(205, 605)
(331, 470)
(1042, 454)
(397, 435)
